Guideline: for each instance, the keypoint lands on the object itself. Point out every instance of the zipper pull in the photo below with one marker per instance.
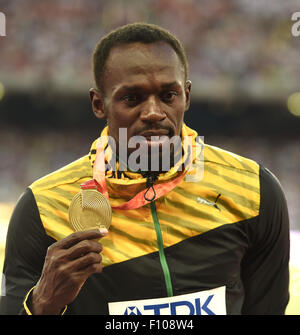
(151, 177)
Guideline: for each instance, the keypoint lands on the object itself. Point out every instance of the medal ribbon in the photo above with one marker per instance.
(98, 182)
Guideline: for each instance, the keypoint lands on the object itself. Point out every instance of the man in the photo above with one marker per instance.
(221, 241)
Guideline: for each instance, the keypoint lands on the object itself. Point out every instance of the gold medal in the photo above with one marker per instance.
(89, 209)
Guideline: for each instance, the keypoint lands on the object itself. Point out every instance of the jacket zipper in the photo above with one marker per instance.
(161, 251)
(151, 177)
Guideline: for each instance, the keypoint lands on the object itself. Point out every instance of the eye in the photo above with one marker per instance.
(169, 96)
(130, 98)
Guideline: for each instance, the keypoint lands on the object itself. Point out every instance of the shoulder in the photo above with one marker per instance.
(230, 178)
(245, 171)
(69, 174)
(235, 177)
(229, 160)
(272, 194)
(54, 192)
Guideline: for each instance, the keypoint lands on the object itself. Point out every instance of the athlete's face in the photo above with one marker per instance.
(144, 91)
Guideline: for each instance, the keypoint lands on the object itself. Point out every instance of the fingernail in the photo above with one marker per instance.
(103, 231)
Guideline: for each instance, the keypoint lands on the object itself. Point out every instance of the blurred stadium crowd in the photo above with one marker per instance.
(234, 47)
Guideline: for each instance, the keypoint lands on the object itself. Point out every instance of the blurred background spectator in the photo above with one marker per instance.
(236, 48)
(244, 65)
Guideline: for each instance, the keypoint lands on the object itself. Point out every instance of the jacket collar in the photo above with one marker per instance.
(115, 176)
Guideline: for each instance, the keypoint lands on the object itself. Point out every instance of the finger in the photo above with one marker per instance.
(72, 239)
(87, 260)
(74, 279)
(90, 269)
(78, 278)
(79, 264)
(84, 247)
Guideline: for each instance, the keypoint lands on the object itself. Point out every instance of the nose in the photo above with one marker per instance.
(151, 110)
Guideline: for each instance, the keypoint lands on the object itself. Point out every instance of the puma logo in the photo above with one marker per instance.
(209, 203)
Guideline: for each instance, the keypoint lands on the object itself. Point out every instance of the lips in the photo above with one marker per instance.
(154, 132)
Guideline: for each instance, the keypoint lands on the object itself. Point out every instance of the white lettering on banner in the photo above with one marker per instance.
(210, 302)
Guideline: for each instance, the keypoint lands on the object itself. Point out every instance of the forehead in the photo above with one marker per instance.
(136, 63)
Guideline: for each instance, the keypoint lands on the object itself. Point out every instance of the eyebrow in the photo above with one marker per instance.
(167, 85)
(139, 87)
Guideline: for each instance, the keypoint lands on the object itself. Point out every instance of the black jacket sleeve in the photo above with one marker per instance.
(26, 247)
(265, 269)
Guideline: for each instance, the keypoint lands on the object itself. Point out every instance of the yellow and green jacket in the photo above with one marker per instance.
(228, 228)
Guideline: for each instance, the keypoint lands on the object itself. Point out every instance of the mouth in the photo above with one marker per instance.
(155, 134)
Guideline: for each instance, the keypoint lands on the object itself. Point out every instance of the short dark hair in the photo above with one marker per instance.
(130, 33)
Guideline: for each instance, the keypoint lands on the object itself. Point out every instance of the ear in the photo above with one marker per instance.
(188, 87)
(97, 101)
